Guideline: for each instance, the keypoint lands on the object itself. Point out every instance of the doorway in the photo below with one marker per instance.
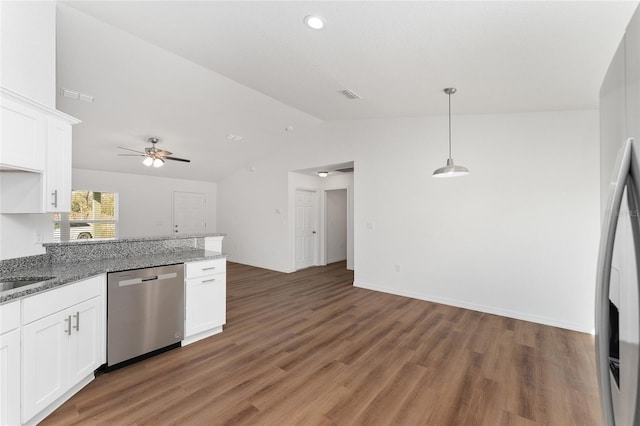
(306, 225)
(336, 225)
(189, 213)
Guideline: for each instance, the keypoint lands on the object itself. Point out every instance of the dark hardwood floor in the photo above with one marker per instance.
(308, 348)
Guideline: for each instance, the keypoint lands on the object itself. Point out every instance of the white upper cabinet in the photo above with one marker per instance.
(36, 139)
(57, 194)
(23, 143)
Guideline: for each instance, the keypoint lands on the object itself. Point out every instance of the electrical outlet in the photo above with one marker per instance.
(397, 268)
(37, 236)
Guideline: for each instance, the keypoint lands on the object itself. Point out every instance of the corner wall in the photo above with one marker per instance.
(518, 237)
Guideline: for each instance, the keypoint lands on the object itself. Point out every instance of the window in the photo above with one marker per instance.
(93, 215)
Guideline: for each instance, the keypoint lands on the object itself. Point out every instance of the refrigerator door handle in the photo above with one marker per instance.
(620, 175)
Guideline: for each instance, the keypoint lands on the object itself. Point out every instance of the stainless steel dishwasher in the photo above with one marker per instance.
(145, 311)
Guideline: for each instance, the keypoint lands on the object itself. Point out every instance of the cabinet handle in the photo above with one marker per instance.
(54, 195)
(68, 330)
(77, 326)
(208, 269)
(208, 281)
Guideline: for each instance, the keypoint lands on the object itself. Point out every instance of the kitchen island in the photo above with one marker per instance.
(67, 262)
(53, 331)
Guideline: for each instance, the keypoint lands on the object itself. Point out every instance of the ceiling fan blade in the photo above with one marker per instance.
(132, 150)
(157, 152)
(184, 160)
(131, 155)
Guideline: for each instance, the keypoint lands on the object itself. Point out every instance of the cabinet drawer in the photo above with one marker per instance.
(60, 298)
(9, 316)
(205, 267)
(207, 280)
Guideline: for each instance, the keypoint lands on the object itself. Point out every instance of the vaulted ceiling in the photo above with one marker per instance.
(193, 72)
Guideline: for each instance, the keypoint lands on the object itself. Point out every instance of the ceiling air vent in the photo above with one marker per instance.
(350, 94)
(345, 170)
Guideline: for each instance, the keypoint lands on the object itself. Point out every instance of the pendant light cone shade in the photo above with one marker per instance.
(158, 162)
(450, 170)
(148, 161)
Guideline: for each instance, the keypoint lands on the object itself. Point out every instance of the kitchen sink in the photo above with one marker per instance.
(12, 283)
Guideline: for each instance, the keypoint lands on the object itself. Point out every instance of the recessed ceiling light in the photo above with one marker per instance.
(313, 21)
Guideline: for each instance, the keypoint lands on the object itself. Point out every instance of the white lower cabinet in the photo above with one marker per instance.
(10, 364)
(63, 348)
(46, 363)
(205, 299)
(206, 306)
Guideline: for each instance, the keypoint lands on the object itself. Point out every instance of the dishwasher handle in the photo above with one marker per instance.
(134, 281)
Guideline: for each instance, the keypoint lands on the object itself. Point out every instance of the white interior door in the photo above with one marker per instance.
(189, 212)
(305, 228)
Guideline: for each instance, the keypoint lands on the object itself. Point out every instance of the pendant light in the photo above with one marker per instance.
(450, 170)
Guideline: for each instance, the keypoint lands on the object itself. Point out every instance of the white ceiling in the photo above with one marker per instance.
(502, 56)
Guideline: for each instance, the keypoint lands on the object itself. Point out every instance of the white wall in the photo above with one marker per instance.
(28, 49)
(145, 202)
(23, 234)
(518, 237)
(336, 225)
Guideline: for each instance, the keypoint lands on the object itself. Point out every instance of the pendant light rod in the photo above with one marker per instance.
(450, 91)
(450, 170)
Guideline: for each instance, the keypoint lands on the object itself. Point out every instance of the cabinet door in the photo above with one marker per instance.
(87, 330)
(45, 357)
(206, 303)
(10, 378)
(22, 137)
(57, 194)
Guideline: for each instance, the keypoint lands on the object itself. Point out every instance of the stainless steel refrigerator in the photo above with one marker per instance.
(617, 316)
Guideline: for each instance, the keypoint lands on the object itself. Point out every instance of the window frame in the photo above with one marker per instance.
(65, 222)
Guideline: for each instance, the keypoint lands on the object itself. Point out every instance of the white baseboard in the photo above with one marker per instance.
(58, 402)
(260, 265)
(337, 259)
(475, 307)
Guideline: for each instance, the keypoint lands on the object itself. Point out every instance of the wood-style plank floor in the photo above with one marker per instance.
(308, 348)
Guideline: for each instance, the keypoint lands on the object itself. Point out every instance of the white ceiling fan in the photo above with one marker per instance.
(153, 156)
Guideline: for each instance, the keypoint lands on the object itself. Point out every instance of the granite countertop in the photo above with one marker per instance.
(132, 239)
(65, 273)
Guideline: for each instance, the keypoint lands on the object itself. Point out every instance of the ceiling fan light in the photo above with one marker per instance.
(158, 162)
(148, 161)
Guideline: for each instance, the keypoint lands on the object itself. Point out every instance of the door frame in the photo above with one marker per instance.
(324, 227)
